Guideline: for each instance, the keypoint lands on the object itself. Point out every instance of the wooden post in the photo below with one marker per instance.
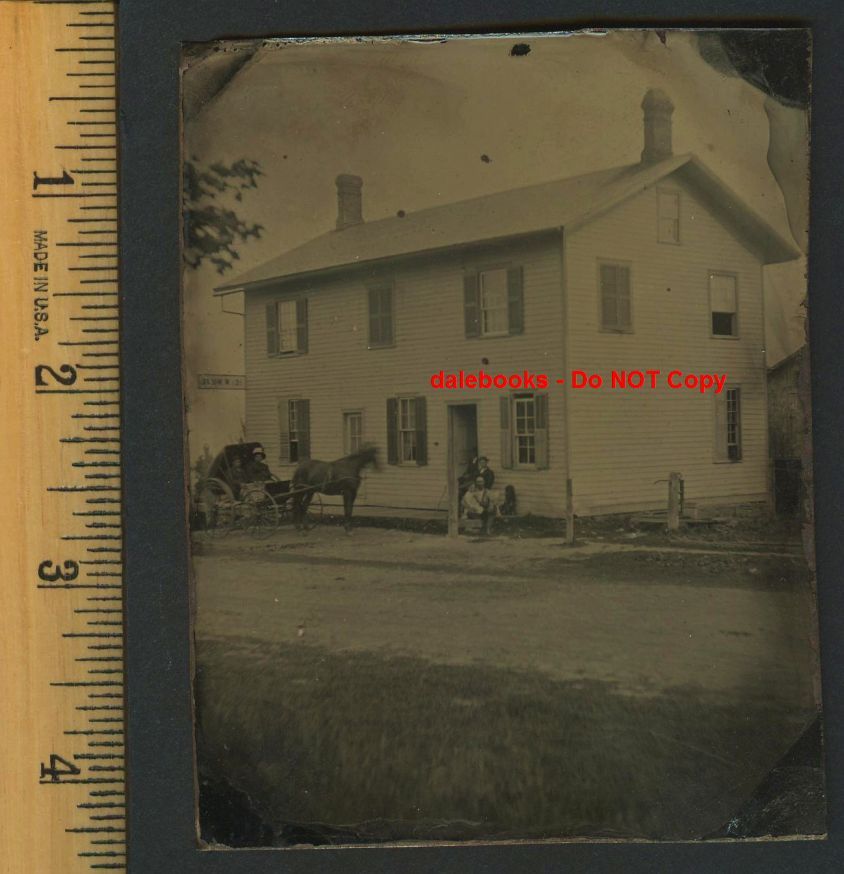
(452, 490)
(569, 513)
(674, 490)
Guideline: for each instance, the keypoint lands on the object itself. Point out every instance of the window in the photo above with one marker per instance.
(286, 318)
(381, 316)
(352, 432)
(728, 425)
(668, 216)
(407, 437)
(407, 429)
(733, 424)
(287, 326)
(293, 432)
(493, 302)
(723, 302)
(294, 428)
(615, 297)
(524, 430)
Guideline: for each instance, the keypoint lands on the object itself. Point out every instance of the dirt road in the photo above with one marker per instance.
(612, 615)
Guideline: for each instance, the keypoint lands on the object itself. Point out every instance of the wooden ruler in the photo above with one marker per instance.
(61, 624)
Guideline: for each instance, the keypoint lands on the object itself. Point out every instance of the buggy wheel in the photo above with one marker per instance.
(260, 514)
(213, 504)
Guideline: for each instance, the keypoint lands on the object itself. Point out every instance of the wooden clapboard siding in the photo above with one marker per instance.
(622, 442)
(339, 373)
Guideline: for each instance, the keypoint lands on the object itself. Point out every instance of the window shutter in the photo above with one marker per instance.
(421, 431)
(506, 432)
(387, 317)
(721, 427)
(515, 301)
(392, 431)
(623, 289)
(471, 305)
(283, 432)
(374, 317)
(302, 324)
(541, 430)
(272, 329)
(609, 292)
(303, 423)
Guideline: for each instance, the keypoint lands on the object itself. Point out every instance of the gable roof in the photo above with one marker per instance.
(517, 212)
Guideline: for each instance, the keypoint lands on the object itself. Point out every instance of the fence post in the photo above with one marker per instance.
(675, 484)
(453, 497)
(569, 513)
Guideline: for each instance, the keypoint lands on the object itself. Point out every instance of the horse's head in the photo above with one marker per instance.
(368, 455)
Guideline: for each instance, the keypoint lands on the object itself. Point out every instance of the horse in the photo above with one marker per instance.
(341, 477)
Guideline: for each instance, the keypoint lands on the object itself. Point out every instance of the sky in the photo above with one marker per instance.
(413, 118)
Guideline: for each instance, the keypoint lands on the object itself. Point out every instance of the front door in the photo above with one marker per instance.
(464, 436)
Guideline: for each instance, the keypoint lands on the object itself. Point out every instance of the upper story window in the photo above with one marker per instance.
(668, 216)
(287, 326)
(614, 280)
(493, 302)
(723, 304)
(381, 316)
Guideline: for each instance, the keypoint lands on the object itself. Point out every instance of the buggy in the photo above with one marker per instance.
(222, 502)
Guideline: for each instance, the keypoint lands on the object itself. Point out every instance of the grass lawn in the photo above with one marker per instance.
(347, 747)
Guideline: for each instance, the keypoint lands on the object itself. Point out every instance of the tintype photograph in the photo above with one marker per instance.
(499, 438)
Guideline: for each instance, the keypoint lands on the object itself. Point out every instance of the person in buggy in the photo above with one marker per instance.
(257, 472)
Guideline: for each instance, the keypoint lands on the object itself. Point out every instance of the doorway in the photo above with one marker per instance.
(464, 437)
(462, 448)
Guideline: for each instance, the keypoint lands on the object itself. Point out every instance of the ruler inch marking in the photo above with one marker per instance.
(67, 50)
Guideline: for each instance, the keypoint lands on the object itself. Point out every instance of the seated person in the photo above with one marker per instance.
(476, 467)
(486, 472)
(508, 507)
(237, 475)
(478, 504)
(257, 470)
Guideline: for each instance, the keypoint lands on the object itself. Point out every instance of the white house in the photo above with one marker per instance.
(655, 265)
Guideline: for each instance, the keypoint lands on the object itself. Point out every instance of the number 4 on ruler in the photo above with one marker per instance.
(59, 768)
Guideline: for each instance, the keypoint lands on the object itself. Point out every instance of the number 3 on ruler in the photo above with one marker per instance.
(68, 370)
(50, 576)
(59, 768)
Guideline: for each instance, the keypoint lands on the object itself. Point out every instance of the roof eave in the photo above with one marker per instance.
(258, 284)
(771, 245)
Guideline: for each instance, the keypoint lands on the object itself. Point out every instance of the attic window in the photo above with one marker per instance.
(668, 216)
(723, 302)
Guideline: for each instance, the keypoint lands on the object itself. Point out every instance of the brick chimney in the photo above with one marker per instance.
(349, 207)
(657, 108)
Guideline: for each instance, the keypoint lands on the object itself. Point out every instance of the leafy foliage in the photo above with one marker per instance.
(212, 230)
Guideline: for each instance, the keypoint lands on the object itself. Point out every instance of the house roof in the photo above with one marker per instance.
(795, 356)
(566, 203)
